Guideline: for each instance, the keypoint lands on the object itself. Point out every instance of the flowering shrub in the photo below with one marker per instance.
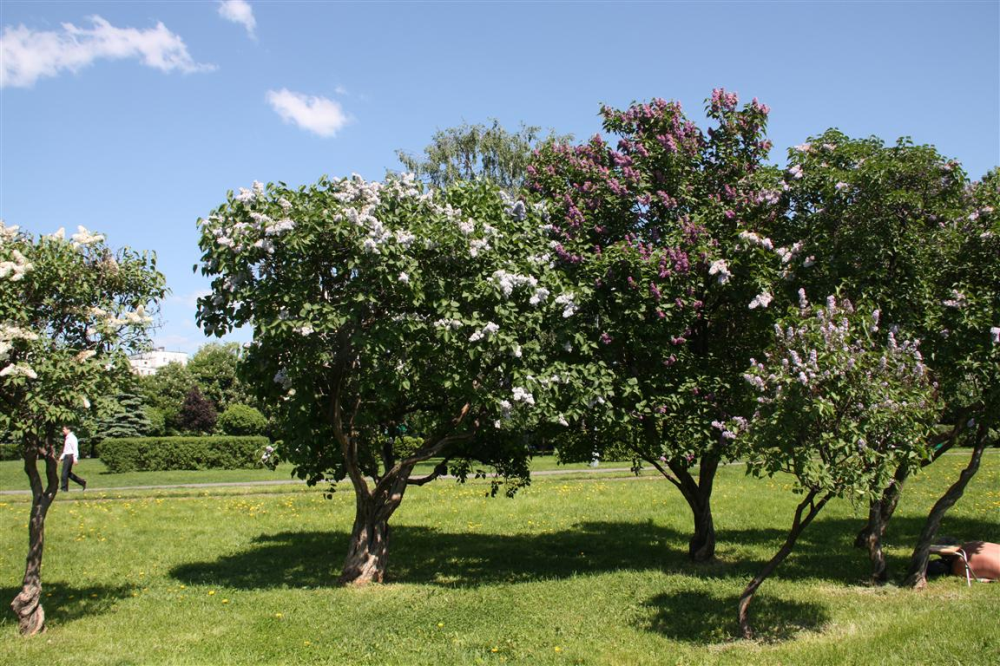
(841, 405)
(71, 311)
(879, 222)
(378, 307)
(666, 238)
(840, 401)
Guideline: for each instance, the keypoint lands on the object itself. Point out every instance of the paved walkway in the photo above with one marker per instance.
(289, 482)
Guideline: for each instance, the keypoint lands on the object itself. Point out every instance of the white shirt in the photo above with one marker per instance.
(71, 447)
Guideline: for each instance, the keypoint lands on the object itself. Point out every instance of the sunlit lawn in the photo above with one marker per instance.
(571, 571)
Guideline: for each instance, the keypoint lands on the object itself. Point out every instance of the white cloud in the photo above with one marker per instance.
(319, 115)
(27, 55)
(239, 11)
(190, 299)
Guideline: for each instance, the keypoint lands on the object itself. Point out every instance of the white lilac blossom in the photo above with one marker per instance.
(280, 226)
(487, 331)
(720, 268)
(761, 300)
(788, 254)
(16, 369)
(83, 237)
(7, 233)
(754, 239)
(803, 301)
(803, 147)
(85, 354)
(796, 172)
(476, 245)
(522, 395)
(403, 277)
(17, 269)
(448, 323)
(8, 333)
(467, 227)
(995, 334)
(569, 307)
(841, 186)
(541, 293)
(509, 281)
(809, 261)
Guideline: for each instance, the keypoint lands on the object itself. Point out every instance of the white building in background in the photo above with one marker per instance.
(148, 363)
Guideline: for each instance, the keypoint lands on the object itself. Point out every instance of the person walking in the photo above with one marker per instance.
(70, 454)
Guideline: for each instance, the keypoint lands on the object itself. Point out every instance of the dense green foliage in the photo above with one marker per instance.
(144, 454)
(242, 420)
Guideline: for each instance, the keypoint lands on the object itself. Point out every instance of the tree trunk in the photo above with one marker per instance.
(367, 556)
(875, 530)
(886, 506)
(941, 444)
(798, 525)
(701, 547)
(28, 603)
(916, 575)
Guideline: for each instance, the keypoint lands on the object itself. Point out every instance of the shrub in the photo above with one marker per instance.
(146, 454)
(197, 413)
(242, 420)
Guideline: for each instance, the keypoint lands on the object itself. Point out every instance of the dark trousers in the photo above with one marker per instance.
(67, 473)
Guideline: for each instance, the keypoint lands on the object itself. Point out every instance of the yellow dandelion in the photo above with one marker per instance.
(225, 601)
(211, 592)
(279, 615)
(440, 624)
(558, 649)
(495, 649)
(307, 643)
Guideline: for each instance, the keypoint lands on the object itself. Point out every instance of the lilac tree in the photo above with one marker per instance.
(666, 237)
(841, 404)
(380, 310)
(967, 344)
(884, 223)
(71, 311)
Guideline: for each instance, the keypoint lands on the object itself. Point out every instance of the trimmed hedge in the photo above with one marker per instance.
(148, 454)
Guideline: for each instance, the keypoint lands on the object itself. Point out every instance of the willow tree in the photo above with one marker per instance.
(390, 327)
(71, 311)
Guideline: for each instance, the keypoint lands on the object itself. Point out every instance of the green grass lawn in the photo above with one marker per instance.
(572, 571)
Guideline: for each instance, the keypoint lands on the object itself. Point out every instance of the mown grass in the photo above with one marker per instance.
(571, 571)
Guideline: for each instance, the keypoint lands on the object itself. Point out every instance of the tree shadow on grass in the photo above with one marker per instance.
(701, 617)
(429, 556)
(425, 555)
(65, 603)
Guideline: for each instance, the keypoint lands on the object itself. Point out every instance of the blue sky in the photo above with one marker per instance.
(135, 118)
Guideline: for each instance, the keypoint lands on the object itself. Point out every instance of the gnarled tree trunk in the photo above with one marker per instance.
(798, 525)
(368, 553)
(916, 574)
(28, 603)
